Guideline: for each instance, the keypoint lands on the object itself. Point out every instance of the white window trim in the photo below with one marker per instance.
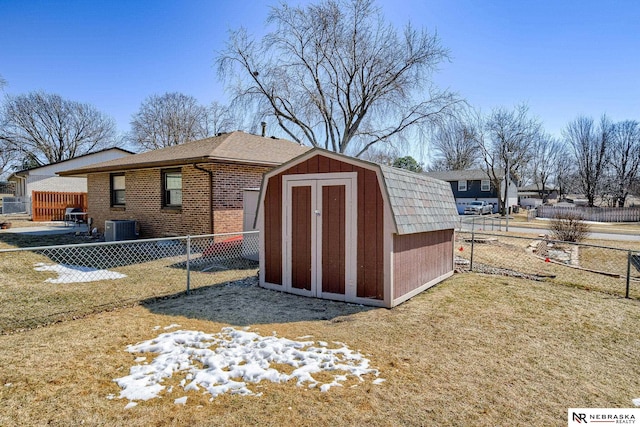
(485, 185)
(462, 185)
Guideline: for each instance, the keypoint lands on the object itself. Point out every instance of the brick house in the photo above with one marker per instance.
(188, 189)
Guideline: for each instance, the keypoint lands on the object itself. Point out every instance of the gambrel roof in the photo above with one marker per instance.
(418, 203)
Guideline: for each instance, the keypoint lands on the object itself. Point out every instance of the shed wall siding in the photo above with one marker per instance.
(144, 200)
(370, 265)
(420, 258)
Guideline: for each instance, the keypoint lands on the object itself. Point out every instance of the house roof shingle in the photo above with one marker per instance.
(24, 172)
(234, 147)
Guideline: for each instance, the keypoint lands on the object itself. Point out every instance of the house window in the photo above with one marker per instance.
(117, 189)
(462, 185)
(485, 185)
(172, 188)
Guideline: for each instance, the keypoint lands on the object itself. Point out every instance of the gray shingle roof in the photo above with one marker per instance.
(534, 188)
(236, 147)
(419, 203)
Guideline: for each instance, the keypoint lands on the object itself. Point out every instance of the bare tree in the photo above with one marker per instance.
(564, 170)
(455, 144)
(506, 142)
(169, 119)
(590, 145)
(384, 156)
(335, 75)
(48, 128)
(545, 156)
(219, 119)
(7, 152)
(7, 159)
(624, 159)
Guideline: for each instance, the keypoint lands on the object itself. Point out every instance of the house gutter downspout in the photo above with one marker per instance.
(195, 165)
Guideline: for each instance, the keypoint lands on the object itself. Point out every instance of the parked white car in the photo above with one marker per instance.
(478, 207)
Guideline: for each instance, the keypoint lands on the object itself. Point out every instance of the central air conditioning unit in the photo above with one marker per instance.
(118, 229)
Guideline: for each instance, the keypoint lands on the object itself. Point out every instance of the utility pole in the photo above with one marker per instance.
(506, 190)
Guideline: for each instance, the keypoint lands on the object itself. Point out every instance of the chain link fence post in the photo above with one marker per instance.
(626, 295)
(471, 260)
(188, 265)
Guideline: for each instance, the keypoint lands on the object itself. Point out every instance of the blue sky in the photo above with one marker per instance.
(562, 58)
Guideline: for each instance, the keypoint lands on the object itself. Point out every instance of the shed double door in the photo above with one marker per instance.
(319, 238)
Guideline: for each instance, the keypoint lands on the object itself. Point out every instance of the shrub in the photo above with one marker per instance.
(569, 227)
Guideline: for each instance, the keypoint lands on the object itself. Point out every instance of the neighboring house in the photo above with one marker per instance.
(189, 189)
(530, 196)
(475, 184)
(45, 178)
(340, 228)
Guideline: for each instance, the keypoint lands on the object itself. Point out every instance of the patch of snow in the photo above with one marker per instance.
(378, 381)
(130, 405)
(171, 326)
(8, 384)
(636, 401)
(77, 273)
(232, 361)
(181, 401)
(140, 359)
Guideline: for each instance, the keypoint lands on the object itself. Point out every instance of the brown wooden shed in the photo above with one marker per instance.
(341, 228)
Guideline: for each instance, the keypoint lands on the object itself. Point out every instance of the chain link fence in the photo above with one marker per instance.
(41, 285)
(13, 205)
(606, 269)
(481, 223)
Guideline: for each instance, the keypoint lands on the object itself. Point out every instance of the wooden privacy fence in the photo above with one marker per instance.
(592, 214)
(51, 205)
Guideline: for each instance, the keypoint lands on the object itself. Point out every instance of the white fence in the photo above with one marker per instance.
(592, 214)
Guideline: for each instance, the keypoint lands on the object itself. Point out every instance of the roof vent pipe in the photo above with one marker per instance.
(264, 129)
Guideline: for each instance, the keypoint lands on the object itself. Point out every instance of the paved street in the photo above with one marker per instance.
(514, 227)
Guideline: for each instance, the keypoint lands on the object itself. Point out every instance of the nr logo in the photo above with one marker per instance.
(579, 418)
